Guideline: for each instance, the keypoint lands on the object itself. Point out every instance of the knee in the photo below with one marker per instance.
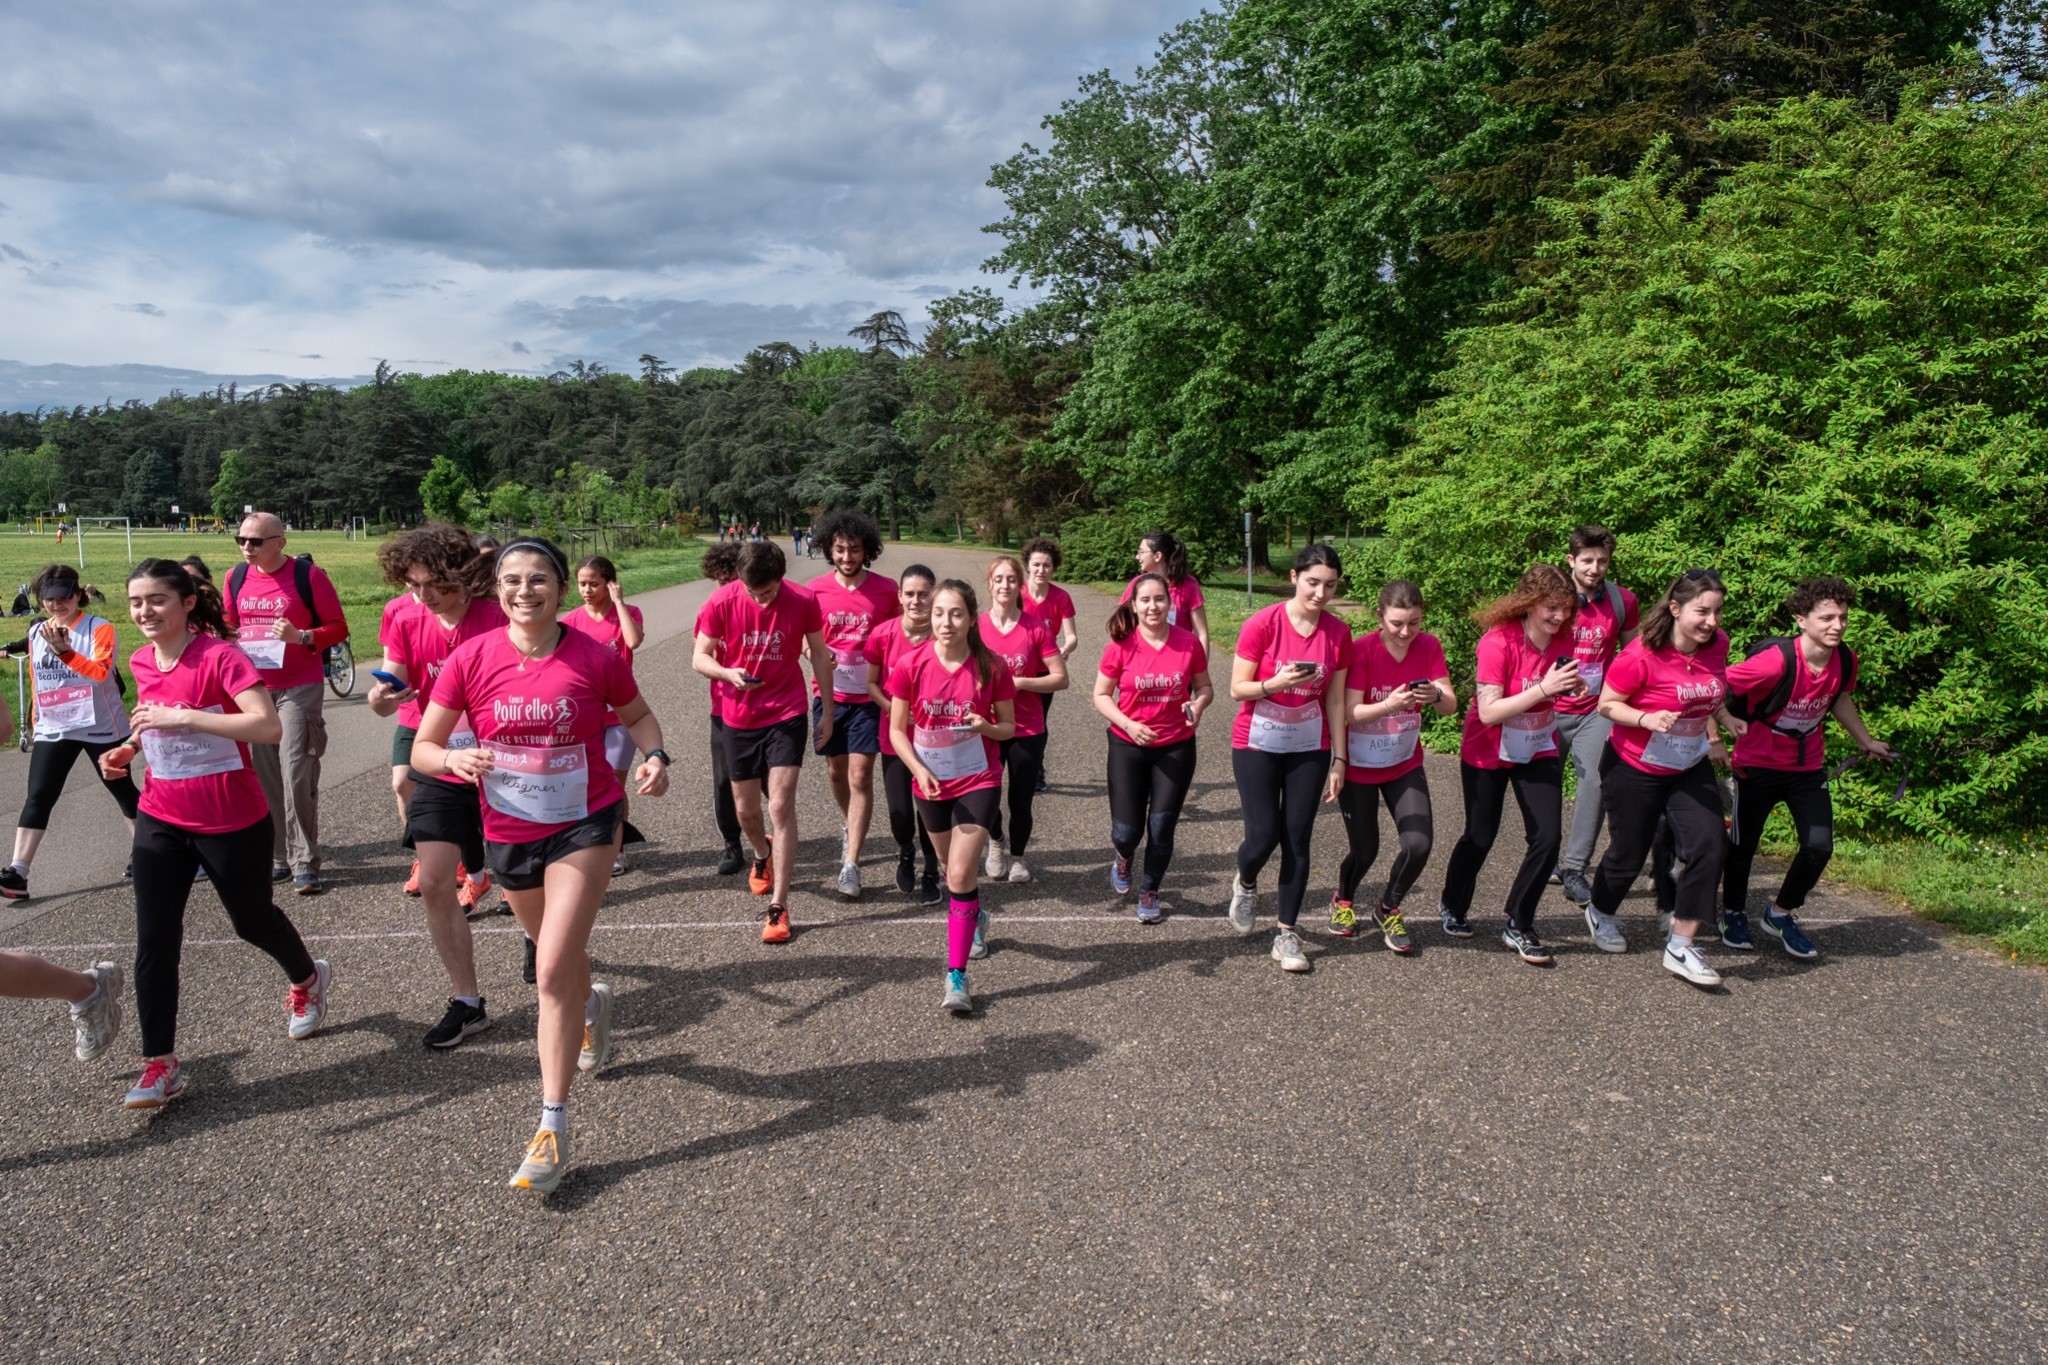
(1161, 826)
(1415, 844)
(562, 977)
(1123, 834)
(1818, 842)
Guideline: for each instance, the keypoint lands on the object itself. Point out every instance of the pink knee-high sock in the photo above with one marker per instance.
(961, 913)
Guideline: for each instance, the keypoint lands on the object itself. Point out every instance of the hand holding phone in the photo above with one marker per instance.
(391, 680)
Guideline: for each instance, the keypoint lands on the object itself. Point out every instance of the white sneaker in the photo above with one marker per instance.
(1688, 963)
(1019, 872)
(547, 1158)
(306, 1006)
(995, 865)
(98, 1020)
(1244, 907)
(849, 881)
(1606, 931)
(1287, 951)
(597, 1033)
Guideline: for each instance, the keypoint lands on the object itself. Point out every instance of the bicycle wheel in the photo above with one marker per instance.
(341, 669)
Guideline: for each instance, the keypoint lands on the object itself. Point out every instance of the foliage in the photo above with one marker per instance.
(1837, 364)
(445, 493)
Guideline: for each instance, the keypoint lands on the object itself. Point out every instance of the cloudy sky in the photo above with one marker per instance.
(191, 190)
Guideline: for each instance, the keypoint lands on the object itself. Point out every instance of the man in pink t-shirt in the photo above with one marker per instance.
(1608, 619)
(285, 636)
(751, 636)
(852, 602)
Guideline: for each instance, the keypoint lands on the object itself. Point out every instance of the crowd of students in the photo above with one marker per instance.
(510, 677)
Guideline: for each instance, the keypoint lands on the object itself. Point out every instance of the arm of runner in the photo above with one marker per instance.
(704, 659)
(431, 756)
(1198, 622)
(101, 661)
(821, 668)
(1003, 727)
(333, 627)
(1105, 702)
(1053, 680)
(255, 723)
(384, 699)
(1616, 708)
(632, 629)
(1731, 722)
(1496, 706)
(899, 735)
(1070, 639)
(1845, 711)
(652, 774)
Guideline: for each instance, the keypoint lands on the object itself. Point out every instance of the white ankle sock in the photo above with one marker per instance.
(1680, 942)
(555, 1117)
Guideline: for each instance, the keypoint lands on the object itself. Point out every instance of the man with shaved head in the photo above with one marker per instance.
(286, 614)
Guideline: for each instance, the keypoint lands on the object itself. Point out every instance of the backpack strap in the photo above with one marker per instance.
(302, 579)
(1614, 605)
(237, 576)
(1781, 691)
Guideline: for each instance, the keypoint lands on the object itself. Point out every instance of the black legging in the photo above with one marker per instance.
(1407, 798)
(904, 824)
(1539, 791)
(1147, 787)
(1279, 794)
(724, 813)
(166, 860)
(1805, 794)
(1635, 801)
(1024, 759)
(49, 768)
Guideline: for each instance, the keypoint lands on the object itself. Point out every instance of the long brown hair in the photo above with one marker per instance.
(208, 616)
(977, 648)
(1541, 585)
(1124, 619)
(1659, 620)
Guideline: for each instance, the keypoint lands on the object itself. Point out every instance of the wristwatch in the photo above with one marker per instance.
(662, 754)
(305, 639)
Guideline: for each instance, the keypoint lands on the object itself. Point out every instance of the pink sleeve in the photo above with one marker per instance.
(237, 674)
(1200, 658)
(639, 617)
(871, 650)
(618, 684)
(1112, 665)
(333, 628)
(451, 689)
(1492, 668)
(1759, 674)
(711, 619)
(1195, 598)
(813, 615)
(1047, 648)
(1628, 673)
(1256, 635)
(1002, 684)
(899, 683)
(1437, 666)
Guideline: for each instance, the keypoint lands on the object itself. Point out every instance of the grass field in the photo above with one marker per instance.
(351, 564)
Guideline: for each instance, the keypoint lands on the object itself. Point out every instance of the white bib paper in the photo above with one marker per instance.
(1682, 746)
(950, 754)
(176, 754)
(1590, 674)
(264, 649)
(1278, 729)
(1385, 743)
(548, 786)
(1527, 737)
(66, 708)
(849, 673)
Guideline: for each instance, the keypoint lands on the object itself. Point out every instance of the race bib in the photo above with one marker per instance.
(1527, 737)
(1590, 674)
(1682, 746)
(65, 708)
(462, 737)
(1278, 729)
(950, 754)
(1172, 615)
(546, 786)
(1802, 717)
(264, 649)
(173, 755)
(849, 673)
(1384, 743)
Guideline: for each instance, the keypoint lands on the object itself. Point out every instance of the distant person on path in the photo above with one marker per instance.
(1162, 553)
(286, 614)
(1054, 609)
(1038, 669)
(721, 565)
(1607, 619)
(853, 601)
(1786, 689)
(606, 617)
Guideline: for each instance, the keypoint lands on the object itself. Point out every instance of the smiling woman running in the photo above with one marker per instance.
(536, 695)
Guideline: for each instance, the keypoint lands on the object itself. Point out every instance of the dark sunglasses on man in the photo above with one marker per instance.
(251, 542)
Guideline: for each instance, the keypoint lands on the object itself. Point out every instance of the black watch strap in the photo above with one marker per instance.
(662, 754)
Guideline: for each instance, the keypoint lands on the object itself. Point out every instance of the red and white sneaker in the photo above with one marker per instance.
(412, 882)
(306, 1006)
(160, 1083)
(473, 891)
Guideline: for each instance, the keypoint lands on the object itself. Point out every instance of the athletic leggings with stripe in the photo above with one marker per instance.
(1407, 799)
(904, 825)
(1147, 787)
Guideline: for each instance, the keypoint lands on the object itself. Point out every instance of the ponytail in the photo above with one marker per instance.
(977, 648)
(1124, 619)
(1168, 547)
(207, 616)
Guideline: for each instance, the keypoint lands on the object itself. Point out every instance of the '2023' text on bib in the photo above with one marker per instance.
(548, 786)
(950, 754)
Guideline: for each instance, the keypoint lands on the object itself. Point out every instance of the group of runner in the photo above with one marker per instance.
(510, 677)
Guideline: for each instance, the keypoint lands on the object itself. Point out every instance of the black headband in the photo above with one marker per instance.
(552, 555)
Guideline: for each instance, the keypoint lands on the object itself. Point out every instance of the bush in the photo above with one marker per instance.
(1099, 547)
(1838, 364)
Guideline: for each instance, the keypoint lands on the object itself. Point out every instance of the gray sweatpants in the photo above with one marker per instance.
(290, 774)
(1583, 739)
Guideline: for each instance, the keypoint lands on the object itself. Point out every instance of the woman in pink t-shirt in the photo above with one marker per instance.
(450, 583)
(1161, 552)
(1525, 665)
(1054, 608)
(1781, 755)
(1664, 693)
(901, 635)
(950, 706)
(535, 696)
(1396, 671)
(1152, 687)
(199, 705)
(606, 617)
(1027, 648)
(1288, 681)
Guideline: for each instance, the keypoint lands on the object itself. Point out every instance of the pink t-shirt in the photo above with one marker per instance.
(200, 783)
(1181, 600)
(1392, 744)
(1694, 685)
(265, 597)
(886, 648)
(1508, 661)
(767, 642)
(1153, 684)
(939, 699)
(395, 608)
(1812, 694)
(1023, 648)
(544, 728)
(1288, 722)
(718, 689)
(421, 644)
(1596, 639)
(1055, 611)
(851, 615)
(607, 631)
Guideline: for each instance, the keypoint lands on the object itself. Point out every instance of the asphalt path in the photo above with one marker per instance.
(1149, 1143)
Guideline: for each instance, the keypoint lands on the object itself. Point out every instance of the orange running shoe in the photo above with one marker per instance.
(776, 930)
(412, 883)
(473, 891)
(760, 880)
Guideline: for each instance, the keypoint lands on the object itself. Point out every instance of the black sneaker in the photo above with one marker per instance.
(731, 861)
(13, 885)
(128, 872)
(906, 873)
(1577, 889)
(458, 1023)
(928, 890)
(1042, 786)
(1454, 925)
(529, 971)
(1526, 945)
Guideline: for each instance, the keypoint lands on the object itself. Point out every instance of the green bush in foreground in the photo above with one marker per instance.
(1837, 364)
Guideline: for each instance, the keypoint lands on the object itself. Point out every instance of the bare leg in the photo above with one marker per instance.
(557, 917)
(446, 924)
(782, 815)
(24, 976)
(860, 802)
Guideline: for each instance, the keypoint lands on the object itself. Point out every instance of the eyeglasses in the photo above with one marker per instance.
(1701, 575)
(251, 542)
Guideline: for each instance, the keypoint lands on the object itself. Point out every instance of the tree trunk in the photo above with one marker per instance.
(895, 523)
(1261, 553)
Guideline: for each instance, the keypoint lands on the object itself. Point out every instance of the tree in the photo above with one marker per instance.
(230, 492)
(445, 493)
(884, 331)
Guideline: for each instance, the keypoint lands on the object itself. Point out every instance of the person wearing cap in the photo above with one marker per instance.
(285, 635)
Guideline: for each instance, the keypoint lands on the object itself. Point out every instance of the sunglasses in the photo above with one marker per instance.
(251, 542)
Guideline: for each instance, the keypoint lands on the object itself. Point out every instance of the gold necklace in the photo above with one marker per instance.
(529, 657)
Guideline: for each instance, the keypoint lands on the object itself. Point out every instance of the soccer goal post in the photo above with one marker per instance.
(108, 522)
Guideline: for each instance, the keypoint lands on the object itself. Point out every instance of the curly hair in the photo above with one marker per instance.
(449, 553)
(1541, 585)
(721, 563)
(1811, 592)
(1042, 545)
(849, 523)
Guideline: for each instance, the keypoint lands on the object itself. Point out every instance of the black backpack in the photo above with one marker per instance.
(1767, 711)
(302, 580)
